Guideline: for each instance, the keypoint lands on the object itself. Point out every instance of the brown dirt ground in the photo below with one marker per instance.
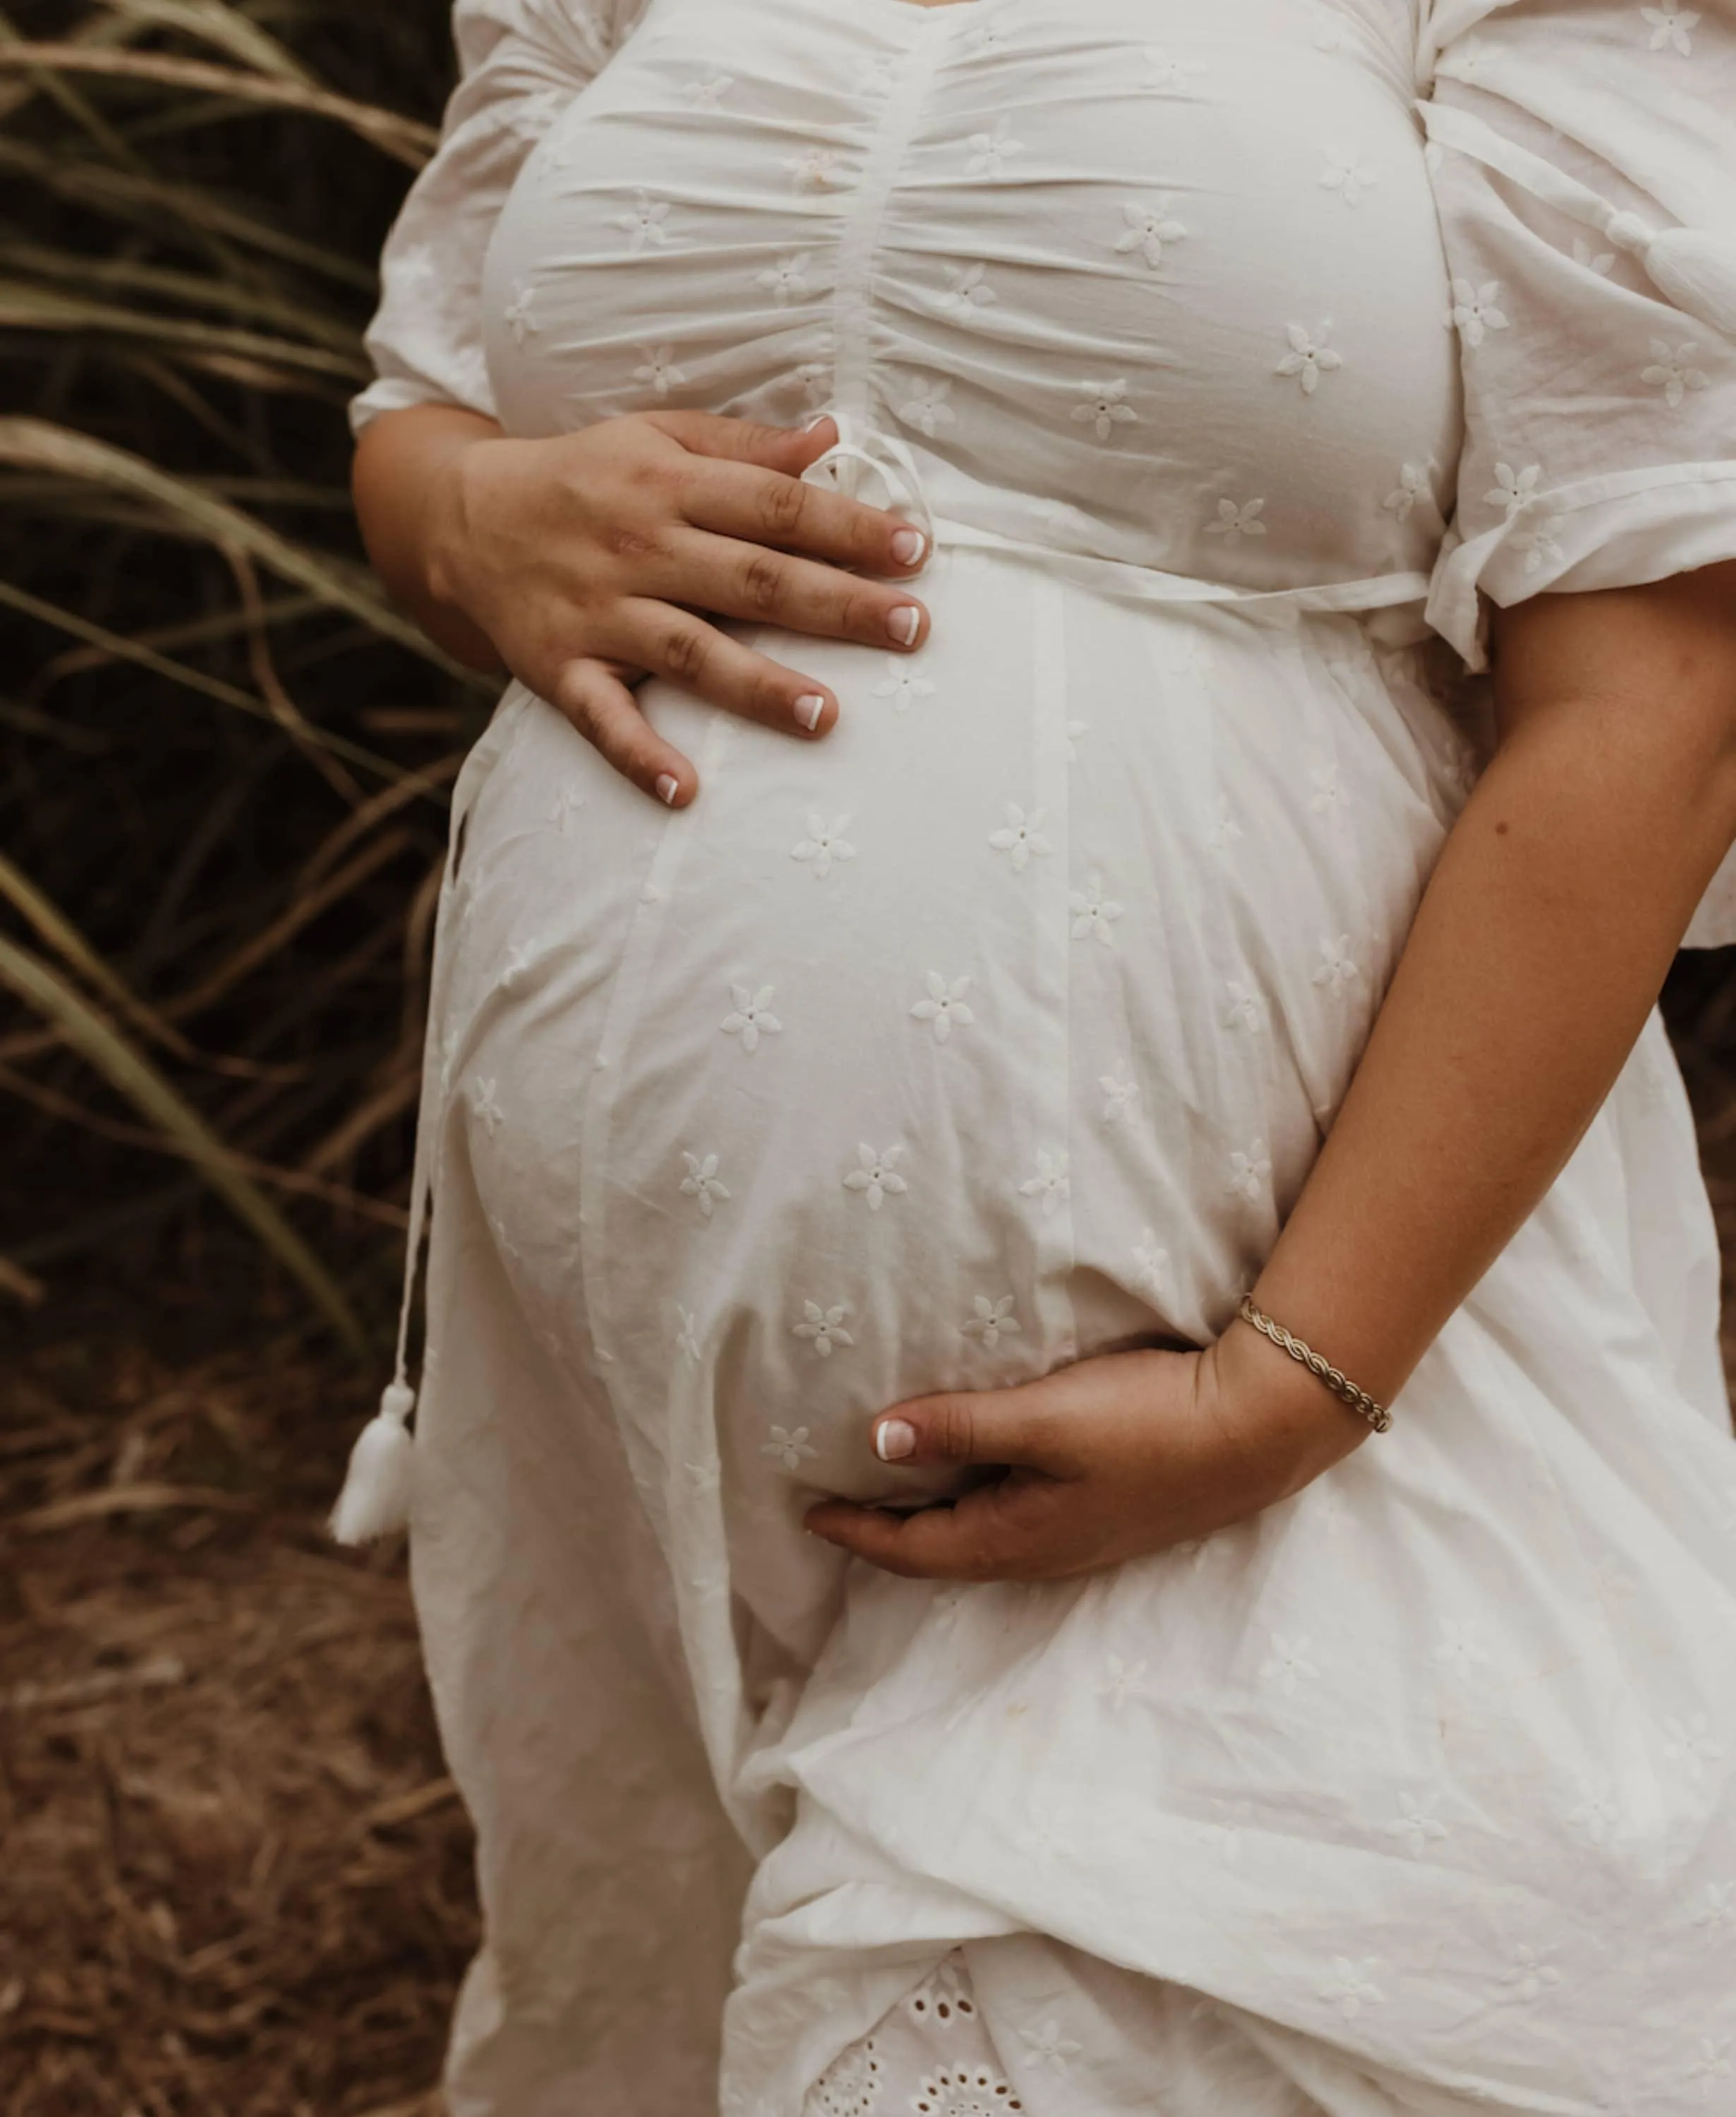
(234, 1879)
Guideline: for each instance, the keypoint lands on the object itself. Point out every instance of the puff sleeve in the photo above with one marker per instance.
(1584, 159)
(521, 63)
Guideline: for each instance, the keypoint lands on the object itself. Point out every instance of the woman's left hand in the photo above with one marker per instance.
(1111, 1458)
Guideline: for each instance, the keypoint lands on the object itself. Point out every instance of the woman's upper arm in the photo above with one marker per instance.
(520, 63)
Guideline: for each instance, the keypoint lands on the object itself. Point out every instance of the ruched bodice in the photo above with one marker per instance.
(1213, 342)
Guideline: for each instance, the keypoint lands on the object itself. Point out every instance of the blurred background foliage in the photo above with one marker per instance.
(226, 759)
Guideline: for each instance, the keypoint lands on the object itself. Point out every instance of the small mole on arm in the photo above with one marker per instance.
(1500, 830)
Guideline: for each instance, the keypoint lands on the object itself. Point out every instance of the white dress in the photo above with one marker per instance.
(1003, 1027)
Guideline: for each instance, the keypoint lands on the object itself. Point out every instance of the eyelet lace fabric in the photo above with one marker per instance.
(931, 2057)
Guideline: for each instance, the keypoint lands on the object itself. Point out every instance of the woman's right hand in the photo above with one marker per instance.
(584, 563)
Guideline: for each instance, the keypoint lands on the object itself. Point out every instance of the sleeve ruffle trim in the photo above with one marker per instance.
(1618, 531)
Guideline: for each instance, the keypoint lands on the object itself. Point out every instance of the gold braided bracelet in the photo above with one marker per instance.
(1341, 1384)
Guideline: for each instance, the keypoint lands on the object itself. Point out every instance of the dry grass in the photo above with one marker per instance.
(236, 1879)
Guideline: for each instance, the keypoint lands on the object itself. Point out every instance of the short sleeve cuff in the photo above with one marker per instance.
(1622, 530)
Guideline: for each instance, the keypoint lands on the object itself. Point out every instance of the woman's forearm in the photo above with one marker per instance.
(1540, 946)
(399, 459)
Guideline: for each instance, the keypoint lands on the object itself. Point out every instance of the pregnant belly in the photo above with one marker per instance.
(997, 1028)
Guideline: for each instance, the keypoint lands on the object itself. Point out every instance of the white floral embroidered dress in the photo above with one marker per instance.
(1004, 1026)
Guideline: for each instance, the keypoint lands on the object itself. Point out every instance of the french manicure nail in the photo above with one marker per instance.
(904, 623)
(668, 787)
(894, 1439)
(809, 707)
(908, 546)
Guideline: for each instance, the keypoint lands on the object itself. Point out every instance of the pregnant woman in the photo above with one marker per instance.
(1001, 481)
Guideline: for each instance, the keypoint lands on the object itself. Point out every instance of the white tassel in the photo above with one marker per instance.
(1698, 273)
(376, 1498)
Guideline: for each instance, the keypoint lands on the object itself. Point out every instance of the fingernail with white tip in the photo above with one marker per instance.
(904, 623)
(894, 1439)
(809, 707)
(908, 546)
(668, 787)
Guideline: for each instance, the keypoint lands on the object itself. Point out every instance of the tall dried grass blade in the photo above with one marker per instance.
(210, 22)
(68, 942)
(39, 308)
(37, 445)
(403, 138)
(131, 1075)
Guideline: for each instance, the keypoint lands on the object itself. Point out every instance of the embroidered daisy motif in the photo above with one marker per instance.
(1459, 1647)
(1347, 173)
(703, 1477)
(567, 803)
(1249, 1172)
(701, 1183)
(1075, 732)
(1467, 59)
(1337, 969)
(1351, 1988)
(750, 1016)
(787, 277)
(520, 957)
(1225, 832)
(1714, 2062)
(1103, 409)
(1418, 1825)
(1691, 1745)
(659, 369)
(1121, 1679)
(1243, 1011)
(822, 1328)
(991, 151)
(1093, 913)
(1148, 229)
(687, 1337)
(1050, 1183)
(1120, 1092)
(520, 318)
(822, 847)
(814, 170)
(876, 1175)
(1288, 1664)
(789, 1446)
(1309, 356)
(1412, 491)
(1328, 790)
(709, 94)
(968, 288)
(1152, 1266)
(1539, 545)
(1234, 523)
(1528, 1973)
(812, 381)
(1475, 310)
(485, 1102)
(944, 1005)
(1671, 23)
(1513, 488)
(1670, 370)
(647, 222)
(1167, 74)
(1718, 1910)
(993, 1320)
(904, 683)
(1600, 261)
(1021, 835)
(926, 409)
